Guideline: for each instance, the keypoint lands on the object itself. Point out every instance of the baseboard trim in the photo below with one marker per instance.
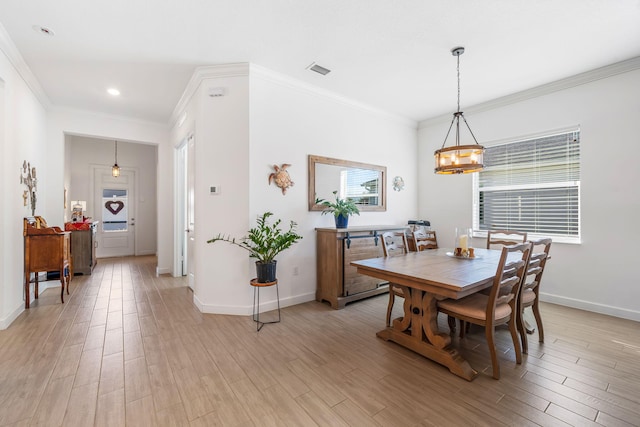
(7, 321)
(246, 310)
(42, 286)
(590, 306)
(160, 271)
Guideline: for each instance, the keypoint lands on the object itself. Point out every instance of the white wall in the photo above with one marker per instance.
(290, 121)
(262, 120)
(84, 152)
(599, 274)
(23, 137)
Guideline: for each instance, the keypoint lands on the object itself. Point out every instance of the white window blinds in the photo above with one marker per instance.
(531, 185)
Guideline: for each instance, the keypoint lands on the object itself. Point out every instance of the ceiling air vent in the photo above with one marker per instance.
(319, 69)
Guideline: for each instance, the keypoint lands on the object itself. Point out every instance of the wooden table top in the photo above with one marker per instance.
(435, 272)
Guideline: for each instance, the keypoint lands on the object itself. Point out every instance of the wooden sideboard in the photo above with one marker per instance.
(83, 245)
(45, 249)
(337, 281)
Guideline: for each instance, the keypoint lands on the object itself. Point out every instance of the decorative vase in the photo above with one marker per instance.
(266, 271)
(342, 221)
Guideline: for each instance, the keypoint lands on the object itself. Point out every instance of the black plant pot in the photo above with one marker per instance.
(266, 271)
(342, 221)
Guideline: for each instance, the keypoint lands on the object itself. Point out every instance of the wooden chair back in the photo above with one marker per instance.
(394, 243)
(508, 279)
(537, 262)
(425, 240)
(530, 290)
(505, 237)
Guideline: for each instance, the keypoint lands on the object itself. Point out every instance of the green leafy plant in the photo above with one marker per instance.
(344, 207)
(265, 241)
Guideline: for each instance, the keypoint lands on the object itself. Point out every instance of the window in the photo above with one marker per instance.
(531, 185)
(114, 210)
(360, 185)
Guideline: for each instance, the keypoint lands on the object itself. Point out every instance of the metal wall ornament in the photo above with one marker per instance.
(281, 177)
(398, 183)
(28, 178)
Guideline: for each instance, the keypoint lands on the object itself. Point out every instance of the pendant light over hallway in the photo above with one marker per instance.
(115, 169)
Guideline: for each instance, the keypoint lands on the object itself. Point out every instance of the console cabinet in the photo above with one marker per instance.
(338, 283)
(83, 246)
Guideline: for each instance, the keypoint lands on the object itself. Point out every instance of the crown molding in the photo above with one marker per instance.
(546, 89)
(57, 109)
(309, 89)
(203, 73)
(15, 58)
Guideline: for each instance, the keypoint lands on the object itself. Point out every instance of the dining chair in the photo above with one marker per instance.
(530, 290)
(500, 306)
(505, 237)
(391, 247)
(424, 240)
(495, 238)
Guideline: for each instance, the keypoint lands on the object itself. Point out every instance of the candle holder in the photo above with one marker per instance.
(463, 242)
(28, 178)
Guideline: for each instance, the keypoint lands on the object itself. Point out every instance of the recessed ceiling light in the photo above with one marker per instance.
(43, 30)
(113, 91)
(318, 69)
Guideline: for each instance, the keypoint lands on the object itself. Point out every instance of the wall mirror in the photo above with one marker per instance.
(361, 182)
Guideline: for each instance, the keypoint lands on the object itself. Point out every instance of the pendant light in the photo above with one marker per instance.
(459, 158)
(115, 169)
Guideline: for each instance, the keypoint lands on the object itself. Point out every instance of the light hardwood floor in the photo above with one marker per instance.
(129, 348)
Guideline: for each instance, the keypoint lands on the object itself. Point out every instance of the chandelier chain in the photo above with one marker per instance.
(458, 83)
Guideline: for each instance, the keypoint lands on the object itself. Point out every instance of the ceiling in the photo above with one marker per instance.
(391, 55)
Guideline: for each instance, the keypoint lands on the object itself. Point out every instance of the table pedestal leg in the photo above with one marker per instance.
(418, 331)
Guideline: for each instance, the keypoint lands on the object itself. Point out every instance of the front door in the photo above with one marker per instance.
(114, 207)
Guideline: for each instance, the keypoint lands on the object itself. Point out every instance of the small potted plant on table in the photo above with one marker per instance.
(342, 209)
(264, 242)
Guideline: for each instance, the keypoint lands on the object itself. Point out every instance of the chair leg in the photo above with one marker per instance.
(392, 298)
(464, 327)
(452, 325)
(536, 313)
(523, 332)
(516, 340)
(492, 350)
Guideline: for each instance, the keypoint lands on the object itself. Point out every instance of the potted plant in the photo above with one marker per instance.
(264, 242)
(341, 209)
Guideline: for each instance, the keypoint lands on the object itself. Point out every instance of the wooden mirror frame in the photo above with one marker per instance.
(382, 173)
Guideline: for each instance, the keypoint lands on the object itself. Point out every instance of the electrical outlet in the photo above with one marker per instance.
(295, 271)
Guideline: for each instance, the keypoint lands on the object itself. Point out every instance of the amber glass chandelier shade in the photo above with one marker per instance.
(459, 159)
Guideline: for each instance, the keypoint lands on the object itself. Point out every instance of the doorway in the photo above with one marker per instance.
(114, 206)
(185, 209)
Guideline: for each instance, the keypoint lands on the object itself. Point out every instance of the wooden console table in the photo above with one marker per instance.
(338, 282)
(45, 249)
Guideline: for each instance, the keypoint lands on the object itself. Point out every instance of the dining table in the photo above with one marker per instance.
(425, 278)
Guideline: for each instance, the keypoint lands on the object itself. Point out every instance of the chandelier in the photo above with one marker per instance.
(459, 158)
